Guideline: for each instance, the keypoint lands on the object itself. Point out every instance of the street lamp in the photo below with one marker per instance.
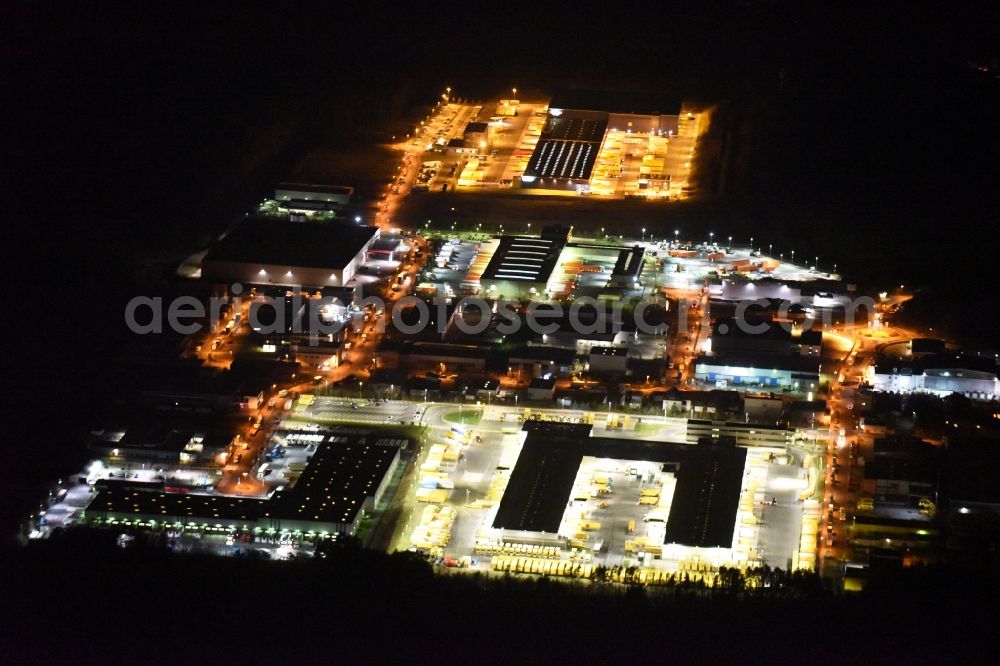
(711, 235)
(644, 233)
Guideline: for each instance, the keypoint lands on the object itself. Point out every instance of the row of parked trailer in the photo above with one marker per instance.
(540, 566)
(643, 576)
(509, 548)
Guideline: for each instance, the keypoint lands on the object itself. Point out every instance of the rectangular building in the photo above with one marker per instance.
(742, 434)
(706, 497)
(276, 252)
(521, 267)
(796, 372)
(339, 195)
(344, 480)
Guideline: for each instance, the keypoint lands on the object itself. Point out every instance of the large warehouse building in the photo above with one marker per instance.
(576, 129)
(520, 267)
(528, 267)
(343, 481)
(791, 371)
(638, 112)
(277, 252)
(705, 483)
(940, 374)
(300, 193)
(566, 151)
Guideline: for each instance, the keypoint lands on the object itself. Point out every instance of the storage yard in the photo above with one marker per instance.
(562, 499)
(541, 150)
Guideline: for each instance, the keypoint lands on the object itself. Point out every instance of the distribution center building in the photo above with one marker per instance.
(344, 480)
(577, 128)
(277, 252)
(706, 484)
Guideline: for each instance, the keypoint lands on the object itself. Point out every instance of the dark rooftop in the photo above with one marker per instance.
(714, 398)
(542, 383)
(629, 262)
(609, 351)
(279, 242)
(706, 497)
(317, 189)
(523, 258)
(731, 328)
(571, 128)
(306, 204)
(175, 506)
(445, 349)
(918, 365)
(616, 102)
(345, 470)
(764, 361)
(542, 353)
